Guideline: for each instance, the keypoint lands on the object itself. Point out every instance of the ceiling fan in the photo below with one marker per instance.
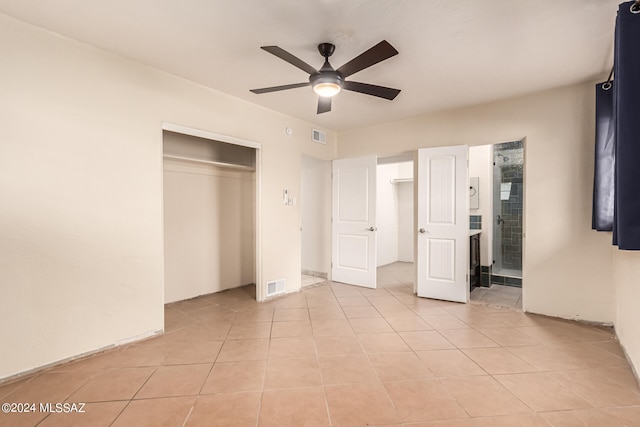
(327, 81)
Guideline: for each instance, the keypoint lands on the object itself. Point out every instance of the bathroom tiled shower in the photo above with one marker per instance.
(508, 195)
(475, 222)
(512, 217)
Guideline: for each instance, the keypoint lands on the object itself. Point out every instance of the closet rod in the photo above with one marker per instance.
(210, 162)
(399, 180)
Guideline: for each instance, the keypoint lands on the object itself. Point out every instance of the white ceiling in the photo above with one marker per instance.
(452, 53)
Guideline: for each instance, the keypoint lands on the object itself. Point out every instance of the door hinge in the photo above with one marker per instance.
(467, 278)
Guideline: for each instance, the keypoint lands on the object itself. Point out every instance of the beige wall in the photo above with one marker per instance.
(627, 271)
(315, 212)
(209, 229)
(80, 184)
(567, 267)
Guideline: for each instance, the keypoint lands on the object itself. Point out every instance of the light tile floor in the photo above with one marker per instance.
(311, 280)
(339, 355)
(498, 296)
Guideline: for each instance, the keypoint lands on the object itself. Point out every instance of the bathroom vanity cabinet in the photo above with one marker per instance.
(474, 260)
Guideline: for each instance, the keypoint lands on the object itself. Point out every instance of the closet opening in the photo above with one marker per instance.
(394, 220)
(210, 200)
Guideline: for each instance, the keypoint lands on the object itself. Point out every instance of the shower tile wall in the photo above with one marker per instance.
(512, 215)
(475, 222)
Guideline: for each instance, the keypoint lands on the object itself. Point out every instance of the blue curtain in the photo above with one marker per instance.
(623, 165)
(603, 178)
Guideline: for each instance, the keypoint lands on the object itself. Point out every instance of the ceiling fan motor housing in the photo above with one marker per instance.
(326, 49)
(326, 74)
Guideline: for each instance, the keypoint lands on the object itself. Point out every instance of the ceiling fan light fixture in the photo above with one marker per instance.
(327, 81)
(327, 89)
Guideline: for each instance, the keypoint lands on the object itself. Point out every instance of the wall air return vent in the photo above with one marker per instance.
(318, 136)
(275, 287)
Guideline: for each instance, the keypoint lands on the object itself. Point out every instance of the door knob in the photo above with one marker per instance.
(422, 230)
(372, 228)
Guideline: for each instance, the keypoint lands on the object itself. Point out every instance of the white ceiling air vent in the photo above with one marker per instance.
(318, 136)
(275, 287)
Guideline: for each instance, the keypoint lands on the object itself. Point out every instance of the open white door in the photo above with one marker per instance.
(442, 247)
(353, 234)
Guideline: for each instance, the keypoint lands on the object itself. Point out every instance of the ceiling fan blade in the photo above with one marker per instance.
(324, 104)
(277, 88)
(373, 90)
(378, 53)
(293, 60)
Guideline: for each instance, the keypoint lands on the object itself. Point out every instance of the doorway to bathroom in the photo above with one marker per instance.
(497, 211)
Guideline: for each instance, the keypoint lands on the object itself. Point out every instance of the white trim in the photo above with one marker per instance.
(171, 127)
(523, 275)
(400, 180)
(84, 356)
(161, 162)
(261, 290)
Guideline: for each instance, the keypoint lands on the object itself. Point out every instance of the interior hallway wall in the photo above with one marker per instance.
(568, 268)
(404, 190)
(315, 205)
(394, 213)
(386, 214)
(81, 238)
(481, 166)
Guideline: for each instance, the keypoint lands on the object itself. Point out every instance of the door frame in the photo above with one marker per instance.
(261, 290)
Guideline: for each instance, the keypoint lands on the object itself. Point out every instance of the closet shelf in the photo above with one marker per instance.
(210, 162)
(399, 180)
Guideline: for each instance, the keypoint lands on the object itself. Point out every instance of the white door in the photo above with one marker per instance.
(442, 220)
(353, 258)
